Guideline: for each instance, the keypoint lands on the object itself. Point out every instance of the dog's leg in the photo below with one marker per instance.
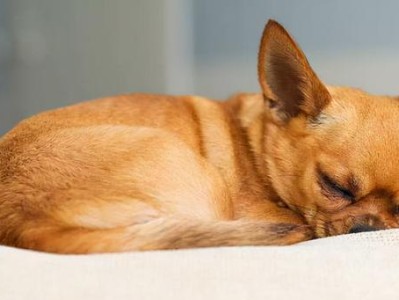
(166, 234)
(261, 209)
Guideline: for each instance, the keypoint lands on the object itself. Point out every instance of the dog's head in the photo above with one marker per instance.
(333, 152)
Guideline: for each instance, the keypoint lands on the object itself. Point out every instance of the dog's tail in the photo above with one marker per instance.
(162, 234)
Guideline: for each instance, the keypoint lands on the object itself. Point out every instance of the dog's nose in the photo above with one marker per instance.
(362, 228)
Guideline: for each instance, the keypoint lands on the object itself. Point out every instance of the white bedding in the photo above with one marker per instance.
(358, 266)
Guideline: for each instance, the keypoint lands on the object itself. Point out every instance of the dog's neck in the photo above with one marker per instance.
(266, 140)
(253, 118)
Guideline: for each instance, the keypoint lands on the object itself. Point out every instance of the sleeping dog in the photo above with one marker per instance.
(142, 172)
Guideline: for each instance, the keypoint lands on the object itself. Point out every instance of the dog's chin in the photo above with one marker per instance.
(324, 227)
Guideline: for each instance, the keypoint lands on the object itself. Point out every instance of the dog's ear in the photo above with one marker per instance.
(286, 78)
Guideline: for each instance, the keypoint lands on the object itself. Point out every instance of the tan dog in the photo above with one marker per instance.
(140, 172)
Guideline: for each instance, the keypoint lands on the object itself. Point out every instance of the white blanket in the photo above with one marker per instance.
(358, 266)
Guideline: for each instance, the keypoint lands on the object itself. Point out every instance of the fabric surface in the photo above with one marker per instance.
(358, 266)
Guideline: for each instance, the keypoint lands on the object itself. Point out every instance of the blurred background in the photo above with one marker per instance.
(54, 53)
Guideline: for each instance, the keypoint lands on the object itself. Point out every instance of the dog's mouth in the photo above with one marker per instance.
(351, 224)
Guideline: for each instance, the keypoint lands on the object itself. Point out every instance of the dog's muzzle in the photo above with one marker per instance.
(362, 228)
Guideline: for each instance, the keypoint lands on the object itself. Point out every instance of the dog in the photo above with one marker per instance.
(300, 160)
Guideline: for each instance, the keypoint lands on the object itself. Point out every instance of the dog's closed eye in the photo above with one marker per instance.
(332, 189)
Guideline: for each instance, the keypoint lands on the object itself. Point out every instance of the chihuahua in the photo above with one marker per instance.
(143, 172)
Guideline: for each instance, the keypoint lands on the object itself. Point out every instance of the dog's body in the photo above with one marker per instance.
(106, 164)
(139, 172)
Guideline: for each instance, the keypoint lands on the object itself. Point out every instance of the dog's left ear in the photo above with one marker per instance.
(286, 77)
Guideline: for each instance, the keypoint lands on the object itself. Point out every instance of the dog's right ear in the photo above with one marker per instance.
(286, 77)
